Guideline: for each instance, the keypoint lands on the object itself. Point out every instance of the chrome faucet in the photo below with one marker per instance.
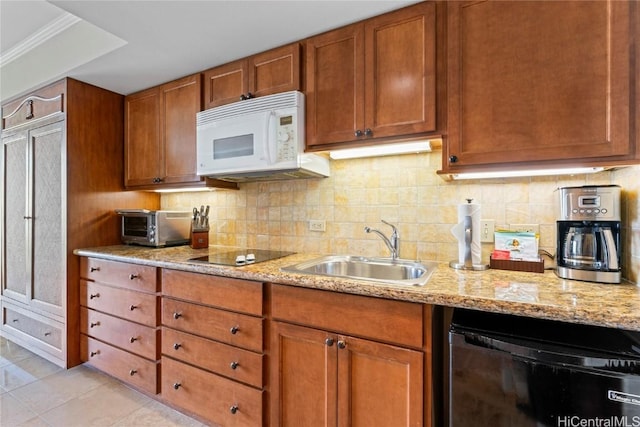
(393, 243)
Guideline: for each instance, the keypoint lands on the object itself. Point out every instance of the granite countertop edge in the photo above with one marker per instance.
(539, 295)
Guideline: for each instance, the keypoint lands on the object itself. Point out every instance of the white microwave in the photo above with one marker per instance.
(259, 138)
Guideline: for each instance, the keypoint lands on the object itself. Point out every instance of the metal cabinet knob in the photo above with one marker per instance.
(132, 307)
(368, 132)
(177, 315)
(176, 346)
(233, 409)
(453, 159)
(94, 324)
(234, 330)
(133, 339)
(341, 344)
(94, 353)
(176, 386)
(358, 133)
(234, 365)
(133, 276)
(92, 269)
(96, 295)
(132, 372)
(329, 342)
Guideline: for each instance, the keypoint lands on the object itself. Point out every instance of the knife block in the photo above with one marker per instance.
(199, 239)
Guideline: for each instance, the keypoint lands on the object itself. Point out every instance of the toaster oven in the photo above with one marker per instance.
(154, 228)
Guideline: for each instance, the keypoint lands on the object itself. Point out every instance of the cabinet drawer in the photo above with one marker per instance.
(129, 336)
(232, 294)
(219, 400)
(46, 332)
(130, 276)
(232, 362)
(391, 321)
(125, 366)
(131, 305)
(231, 328)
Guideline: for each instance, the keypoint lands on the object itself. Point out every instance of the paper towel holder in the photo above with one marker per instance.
(468, 236)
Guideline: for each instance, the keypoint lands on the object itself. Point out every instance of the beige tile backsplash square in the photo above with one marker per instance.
(404, 190)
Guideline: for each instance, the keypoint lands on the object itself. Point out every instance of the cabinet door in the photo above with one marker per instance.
(400, 66)
(303, 377)
(16, 262)
(225, 84)
(335, 86)
(378, 384)
(143, 146)
(180, 103)
(275, 71)
(538, 81)
(48, 219)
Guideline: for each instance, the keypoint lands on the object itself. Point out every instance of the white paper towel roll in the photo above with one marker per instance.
(471, 210)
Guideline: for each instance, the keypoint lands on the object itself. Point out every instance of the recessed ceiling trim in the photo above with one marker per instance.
(48, 31)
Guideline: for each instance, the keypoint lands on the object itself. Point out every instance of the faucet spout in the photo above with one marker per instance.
(393, 243)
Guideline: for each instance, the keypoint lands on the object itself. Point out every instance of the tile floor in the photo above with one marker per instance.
(35, 392)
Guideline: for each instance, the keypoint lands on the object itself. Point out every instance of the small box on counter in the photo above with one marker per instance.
(519, 245)
(516, 265)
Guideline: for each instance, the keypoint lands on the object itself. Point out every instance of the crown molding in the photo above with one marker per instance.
(45, 33)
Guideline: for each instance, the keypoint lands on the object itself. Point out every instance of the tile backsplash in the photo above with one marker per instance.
(405, 191)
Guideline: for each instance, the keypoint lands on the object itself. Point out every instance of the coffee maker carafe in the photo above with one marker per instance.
(588, 245)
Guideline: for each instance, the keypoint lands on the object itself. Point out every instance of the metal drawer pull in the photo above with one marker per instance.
(132, 307)
(94, 324)
(133, 339)
(233, 409)
(234, 365)
(176, 346)
(96, 295)
(15, 320)
(176, 386)
(92, 269)
(94, 353)
(132, 372)
(234, 330)
(177, 315)
(46, 334)
(133, 276)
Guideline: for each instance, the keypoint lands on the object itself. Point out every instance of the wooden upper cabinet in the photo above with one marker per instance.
(540, 82)
(274, 71)
(160, 134)
(373, 80)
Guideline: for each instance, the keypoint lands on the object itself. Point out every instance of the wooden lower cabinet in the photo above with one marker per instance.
(210, 396)
(324, 379)
(127, 367)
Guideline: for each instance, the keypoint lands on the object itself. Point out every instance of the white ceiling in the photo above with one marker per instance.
(126, 46)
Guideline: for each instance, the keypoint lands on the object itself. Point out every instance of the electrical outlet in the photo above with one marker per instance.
(317, 225)
(487, 229)
(529, 228)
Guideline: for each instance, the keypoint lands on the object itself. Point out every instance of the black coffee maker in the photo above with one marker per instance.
(588, 246)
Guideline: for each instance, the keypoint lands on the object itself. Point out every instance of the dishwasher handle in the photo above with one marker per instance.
(547, 352)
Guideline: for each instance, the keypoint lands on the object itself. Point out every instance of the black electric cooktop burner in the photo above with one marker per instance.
(242, 257)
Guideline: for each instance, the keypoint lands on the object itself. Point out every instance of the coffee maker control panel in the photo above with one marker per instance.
(590, 203)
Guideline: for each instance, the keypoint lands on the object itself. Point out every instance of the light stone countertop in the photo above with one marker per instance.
(541, 295)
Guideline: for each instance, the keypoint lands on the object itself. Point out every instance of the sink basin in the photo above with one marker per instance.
(399, 271)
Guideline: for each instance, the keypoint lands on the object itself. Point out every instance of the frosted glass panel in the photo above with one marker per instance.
(16, 264)
(48, 243)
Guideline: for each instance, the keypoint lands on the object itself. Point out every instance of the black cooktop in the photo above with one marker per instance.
(241, 257)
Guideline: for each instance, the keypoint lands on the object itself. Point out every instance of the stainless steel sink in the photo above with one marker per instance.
(387, 270)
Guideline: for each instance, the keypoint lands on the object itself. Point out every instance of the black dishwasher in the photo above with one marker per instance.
(516, 371)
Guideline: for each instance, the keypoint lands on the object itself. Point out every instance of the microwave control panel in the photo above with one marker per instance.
(287, 139)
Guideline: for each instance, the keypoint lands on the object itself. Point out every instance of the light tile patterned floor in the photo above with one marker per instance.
(35, 392)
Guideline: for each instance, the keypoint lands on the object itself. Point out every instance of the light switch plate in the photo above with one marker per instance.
(317, 225)
(487, 229)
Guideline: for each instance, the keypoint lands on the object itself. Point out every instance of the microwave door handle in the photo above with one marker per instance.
(270, 125)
